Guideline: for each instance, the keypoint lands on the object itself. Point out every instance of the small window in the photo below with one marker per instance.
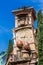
(21, 19)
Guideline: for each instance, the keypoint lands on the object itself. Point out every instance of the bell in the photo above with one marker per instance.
(19, 43)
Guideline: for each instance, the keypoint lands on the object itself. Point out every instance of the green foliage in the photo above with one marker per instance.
(40, 38)
(10, 48)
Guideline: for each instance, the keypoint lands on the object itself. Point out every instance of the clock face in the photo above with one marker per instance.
(25, 35)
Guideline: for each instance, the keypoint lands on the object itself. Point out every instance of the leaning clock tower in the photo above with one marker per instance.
(24, 35)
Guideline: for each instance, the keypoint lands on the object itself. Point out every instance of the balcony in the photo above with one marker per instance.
(23, 27)
(23, 61)
(16, 60)
(20, 57)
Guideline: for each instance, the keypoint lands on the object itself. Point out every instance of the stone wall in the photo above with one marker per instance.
(25, 35)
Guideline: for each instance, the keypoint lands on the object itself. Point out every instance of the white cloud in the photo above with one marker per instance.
(3, 29)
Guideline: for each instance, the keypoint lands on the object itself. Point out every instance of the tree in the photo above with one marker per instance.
(10, 49)
(40, 38)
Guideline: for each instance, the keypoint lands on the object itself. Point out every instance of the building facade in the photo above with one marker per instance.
(3, 57)
(25, 39)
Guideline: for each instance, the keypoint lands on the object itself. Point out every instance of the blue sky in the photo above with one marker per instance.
(7, 18)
